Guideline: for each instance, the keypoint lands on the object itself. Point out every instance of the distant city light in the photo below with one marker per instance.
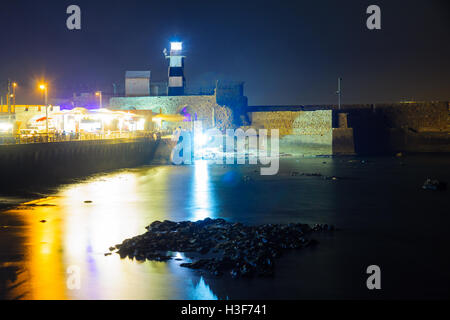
(5, 126)
(176, 46)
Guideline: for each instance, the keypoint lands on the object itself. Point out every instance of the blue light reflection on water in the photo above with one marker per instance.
(202, 196)
(201, 291)
(78, 233)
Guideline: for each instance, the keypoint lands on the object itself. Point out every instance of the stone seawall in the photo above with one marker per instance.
(424, 116)
(419, 116)
(205, 108)
(378, 128)
(308, 133)
(49, 163)
(294, 122)
(167, 104)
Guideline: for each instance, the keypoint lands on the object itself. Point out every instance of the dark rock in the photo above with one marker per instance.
(240, 250)
(234, 273)
(140, 257)
(195, 265)
(311, 174)
(217, 273)
(434, 184)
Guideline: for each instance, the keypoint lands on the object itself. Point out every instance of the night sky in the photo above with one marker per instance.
(288, 53)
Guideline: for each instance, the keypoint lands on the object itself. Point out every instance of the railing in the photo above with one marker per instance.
(56, 137)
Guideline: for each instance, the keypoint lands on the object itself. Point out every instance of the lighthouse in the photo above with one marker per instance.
(176, 69)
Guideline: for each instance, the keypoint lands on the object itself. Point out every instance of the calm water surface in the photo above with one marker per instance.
(383, 215)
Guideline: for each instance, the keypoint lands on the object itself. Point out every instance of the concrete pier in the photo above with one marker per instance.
(44, 163)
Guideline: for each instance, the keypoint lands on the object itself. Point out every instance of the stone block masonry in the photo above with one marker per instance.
(307, 133)
(422, 116)
(419, 116)
(400, 127)
(301, 132)
(343, 141)
(382, 128)
(205, 107)
(294, 122)
(50, 163)
(167, 104)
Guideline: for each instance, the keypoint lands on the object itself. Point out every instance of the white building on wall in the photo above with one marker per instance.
(137, 83)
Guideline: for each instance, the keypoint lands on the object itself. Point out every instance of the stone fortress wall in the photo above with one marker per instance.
(294, 122)
(377, 128)
(205, 107)
(301, 132)
(307, 133)
(166, 104)
(318, 129)
(425, 116)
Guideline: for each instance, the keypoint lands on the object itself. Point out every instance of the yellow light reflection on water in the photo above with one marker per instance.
(83, 220)
(45, 274)
(91, 228)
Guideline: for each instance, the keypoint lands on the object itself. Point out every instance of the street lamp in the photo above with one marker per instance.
(99, 94)
(338, 92)
(43, 87)
(14, 85)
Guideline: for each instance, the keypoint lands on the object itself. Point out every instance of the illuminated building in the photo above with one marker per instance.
(137, 83)
(176, 69)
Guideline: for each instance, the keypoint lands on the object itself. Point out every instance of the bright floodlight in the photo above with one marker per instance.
(176, 46)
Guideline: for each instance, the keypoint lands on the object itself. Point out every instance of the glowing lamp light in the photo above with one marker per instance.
(176, 46)
(4, 126)
(42, 86)
(202, 139)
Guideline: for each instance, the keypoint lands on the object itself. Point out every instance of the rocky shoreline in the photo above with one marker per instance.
(226, 247)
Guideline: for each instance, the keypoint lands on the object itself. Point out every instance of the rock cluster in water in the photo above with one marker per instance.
(236, 248)
(434, 184)
(295, 173)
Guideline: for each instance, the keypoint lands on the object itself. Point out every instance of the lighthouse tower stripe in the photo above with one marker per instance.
(176, 73)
